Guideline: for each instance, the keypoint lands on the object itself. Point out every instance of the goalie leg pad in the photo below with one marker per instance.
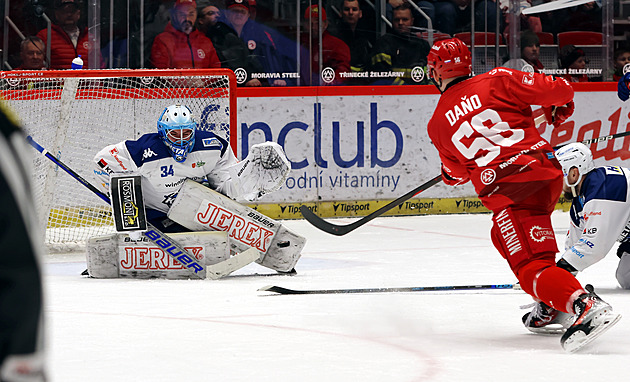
(199, 208)
(115, 255)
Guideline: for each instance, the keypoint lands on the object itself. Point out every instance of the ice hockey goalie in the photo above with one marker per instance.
(192, 182)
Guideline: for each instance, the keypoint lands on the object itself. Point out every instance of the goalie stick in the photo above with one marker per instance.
(281, 290)
(169, 246)
(341, 230)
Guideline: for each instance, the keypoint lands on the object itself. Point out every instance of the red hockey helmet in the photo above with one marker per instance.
(448, 59)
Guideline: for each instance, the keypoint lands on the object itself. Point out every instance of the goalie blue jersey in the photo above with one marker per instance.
(162, 175)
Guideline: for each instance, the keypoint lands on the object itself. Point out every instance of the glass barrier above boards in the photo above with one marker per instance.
(319, 42)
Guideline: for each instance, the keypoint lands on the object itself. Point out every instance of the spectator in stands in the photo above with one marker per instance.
(347, 30)
(231, 50)
(32, 54)
(274, 52)
(573, 60)
(335, 52)
(181, 45)
(427, 6)
(621, 58)
(401, 52)
(67, 40)
(530, 52)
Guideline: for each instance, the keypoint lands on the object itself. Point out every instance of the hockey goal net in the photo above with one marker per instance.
(75, 113)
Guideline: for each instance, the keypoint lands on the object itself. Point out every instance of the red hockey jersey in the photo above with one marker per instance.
(484, 132)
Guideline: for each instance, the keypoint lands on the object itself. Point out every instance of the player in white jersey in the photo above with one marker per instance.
(600, 212)
(600, 216)
(178, 151)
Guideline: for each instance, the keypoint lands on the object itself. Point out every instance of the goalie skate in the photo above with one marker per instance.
(544, 319)
(593, 318)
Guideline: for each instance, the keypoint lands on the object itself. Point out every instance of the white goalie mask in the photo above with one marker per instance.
(576, 155)
(177, 128)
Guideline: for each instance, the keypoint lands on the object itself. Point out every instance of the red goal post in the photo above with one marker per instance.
(75, 113)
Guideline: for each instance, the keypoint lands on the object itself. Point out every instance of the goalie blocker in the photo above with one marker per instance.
(200, 208)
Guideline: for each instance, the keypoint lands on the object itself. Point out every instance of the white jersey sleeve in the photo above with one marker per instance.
(113, 159)
(599, 216)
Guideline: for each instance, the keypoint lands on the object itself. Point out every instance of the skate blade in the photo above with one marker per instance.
(579, 339)
(548, 330)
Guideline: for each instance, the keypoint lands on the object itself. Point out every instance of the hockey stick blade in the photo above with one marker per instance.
(341, 230)
(285, 291)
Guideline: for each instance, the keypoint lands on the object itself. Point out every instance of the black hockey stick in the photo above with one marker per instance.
(341, 230)
(281, 290)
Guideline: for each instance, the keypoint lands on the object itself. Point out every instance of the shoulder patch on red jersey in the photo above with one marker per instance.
(528, 80)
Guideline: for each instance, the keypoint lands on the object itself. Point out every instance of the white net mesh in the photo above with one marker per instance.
(73, 114)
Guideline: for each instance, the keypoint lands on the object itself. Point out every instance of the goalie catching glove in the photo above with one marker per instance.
(263, 171)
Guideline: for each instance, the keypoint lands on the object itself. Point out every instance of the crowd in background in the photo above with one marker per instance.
(267, 44)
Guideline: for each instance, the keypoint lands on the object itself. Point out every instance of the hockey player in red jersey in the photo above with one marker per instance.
(484, 132)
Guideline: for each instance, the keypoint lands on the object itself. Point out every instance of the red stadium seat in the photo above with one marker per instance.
(580, 38)
(545, 38)
(481, 38)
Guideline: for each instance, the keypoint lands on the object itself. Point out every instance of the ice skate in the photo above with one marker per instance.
(593, 317)
(544, 319)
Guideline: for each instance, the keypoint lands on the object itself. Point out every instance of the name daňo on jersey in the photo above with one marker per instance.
(467, 105)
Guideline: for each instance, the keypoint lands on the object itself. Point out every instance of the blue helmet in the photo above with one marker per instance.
(177, 128)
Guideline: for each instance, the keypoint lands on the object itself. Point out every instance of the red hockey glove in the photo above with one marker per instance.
(451, 179)
(563, 113)
(549, 113)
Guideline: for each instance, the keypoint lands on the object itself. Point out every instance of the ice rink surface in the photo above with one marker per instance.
(189, 330)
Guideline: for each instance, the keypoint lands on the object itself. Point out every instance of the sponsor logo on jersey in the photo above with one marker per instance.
(587, 243)
(247, 232)
(539, 234)
(175, 184)
(106, 170)
(153, 259)
(590, 231)
(114, 153)
(148, 153)
(576, 252)
(527, 80)
(592, 213)
(198, 164)
(211, 142)
(487, 176)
